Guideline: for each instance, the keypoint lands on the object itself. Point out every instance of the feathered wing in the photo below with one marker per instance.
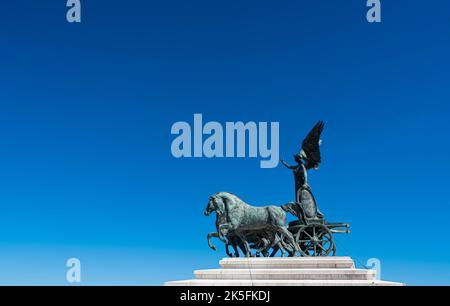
(311, 146)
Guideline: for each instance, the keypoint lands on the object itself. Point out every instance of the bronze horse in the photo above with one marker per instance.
(237, 219)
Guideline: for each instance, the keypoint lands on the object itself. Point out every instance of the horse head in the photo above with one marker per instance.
(214, 204)
(211, 206)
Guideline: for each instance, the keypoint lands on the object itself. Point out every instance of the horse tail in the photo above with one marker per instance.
(290, 208)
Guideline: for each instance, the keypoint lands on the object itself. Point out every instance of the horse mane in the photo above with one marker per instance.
(229, 197)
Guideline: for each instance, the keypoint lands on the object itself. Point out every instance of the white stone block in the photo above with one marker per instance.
(341, 262)
(205, 282)
(288, 271)
(287, 274)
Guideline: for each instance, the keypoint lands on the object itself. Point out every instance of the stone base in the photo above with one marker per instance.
(290, 271)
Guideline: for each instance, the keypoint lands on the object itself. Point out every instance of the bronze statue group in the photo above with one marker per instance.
(263, 231)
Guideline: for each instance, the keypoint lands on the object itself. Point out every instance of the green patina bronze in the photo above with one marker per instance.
(263, 230)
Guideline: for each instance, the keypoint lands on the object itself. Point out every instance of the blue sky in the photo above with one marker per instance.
(86, 111)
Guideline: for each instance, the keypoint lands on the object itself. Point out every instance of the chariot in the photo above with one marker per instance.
(312, 233)
(315, 238)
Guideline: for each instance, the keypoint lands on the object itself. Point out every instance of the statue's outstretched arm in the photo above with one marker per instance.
(287, 165)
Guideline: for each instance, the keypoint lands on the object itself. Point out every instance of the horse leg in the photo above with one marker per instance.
(241, 246)
(235, 248)
(290, 238)
(233, 242)
(288, 247)
(278, 243)
(267, 245)
(223, 232)
(277, 246)
(274, 251)
(246, 246)
(227, 250)
(261, 248)
(210, 235)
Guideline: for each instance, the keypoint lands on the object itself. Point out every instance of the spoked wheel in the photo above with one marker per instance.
(315, 240)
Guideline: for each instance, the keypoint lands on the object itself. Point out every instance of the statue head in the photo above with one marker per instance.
(298, 158)
(310, 163)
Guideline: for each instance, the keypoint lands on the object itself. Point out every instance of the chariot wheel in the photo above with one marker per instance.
(315, 240)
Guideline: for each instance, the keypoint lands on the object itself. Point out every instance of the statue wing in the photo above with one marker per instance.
(311, 146)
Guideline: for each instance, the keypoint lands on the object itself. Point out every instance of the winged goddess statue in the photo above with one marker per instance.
(308, 158)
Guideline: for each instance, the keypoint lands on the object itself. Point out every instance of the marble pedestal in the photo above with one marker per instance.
(287, 271)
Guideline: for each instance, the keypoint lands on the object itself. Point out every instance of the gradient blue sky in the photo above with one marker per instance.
(86, 111)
